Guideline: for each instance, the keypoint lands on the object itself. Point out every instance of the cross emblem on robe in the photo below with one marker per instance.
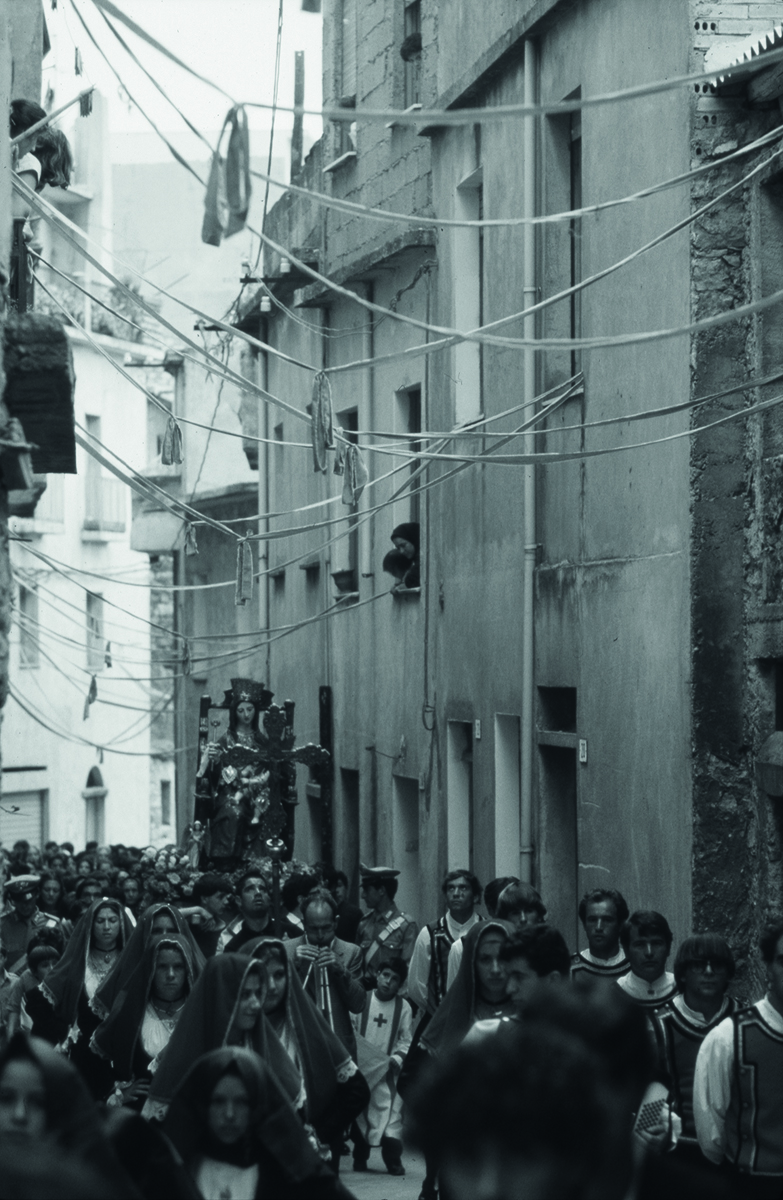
(380, 1020)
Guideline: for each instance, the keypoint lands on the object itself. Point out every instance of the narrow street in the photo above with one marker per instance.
(375, 1184)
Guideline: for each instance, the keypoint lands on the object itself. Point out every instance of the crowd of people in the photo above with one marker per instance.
(167, 1032)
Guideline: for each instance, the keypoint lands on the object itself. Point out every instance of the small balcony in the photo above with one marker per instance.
(105, 504)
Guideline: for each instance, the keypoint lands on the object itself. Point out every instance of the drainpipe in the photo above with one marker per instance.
(264, 498)
(529, 477)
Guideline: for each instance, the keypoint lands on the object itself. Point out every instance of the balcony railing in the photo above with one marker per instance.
(105, 504)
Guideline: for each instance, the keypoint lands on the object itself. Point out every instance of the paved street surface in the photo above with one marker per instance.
(375, 1184)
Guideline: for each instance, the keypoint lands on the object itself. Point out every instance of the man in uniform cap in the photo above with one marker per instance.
(24, 919)
(384, 932)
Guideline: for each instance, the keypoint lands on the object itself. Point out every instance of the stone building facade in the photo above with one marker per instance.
(658, 634)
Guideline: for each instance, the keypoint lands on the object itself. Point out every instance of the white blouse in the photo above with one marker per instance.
(223, 1181)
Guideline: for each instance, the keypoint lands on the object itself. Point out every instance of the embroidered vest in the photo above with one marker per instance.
(441, 942)
(581, 965)
(679, 1042)
(754, 1120)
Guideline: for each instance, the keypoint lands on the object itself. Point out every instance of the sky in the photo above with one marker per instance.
(231, 42)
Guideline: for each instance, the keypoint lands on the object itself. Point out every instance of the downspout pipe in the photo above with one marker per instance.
(527, 747)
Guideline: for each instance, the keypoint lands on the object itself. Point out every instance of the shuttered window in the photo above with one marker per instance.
(28, 821)
(348, 49)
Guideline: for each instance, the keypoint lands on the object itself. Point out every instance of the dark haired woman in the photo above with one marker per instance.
(238, 1136)
(144, 1017)
(52, 899)
(94, 948)
(336, 1091)
(45, 1110)
(224, 1009)
(157, 921)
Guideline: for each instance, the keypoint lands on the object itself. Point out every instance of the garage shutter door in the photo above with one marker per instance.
(27, 823)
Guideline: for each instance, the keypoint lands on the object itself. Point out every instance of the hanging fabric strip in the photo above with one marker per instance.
(322, 424)
(339, 454)
(107, 655)
(244, 582)
(172, 444)
(186, 659)
(191, 545)
(227, 197)
(356, 474)
(91, 697)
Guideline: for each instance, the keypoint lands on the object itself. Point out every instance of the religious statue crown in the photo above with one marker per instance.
(248, 690)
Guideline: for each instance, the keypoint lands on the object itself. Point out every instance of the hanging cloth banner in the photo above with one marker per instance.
(90, 698)
(171, 451)
(356, 475)
(244, 582)
(227, 198)
(322, 424)
(191, 545)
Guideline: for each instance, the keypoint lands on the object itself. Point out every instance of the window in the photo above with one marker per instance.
(348, 51)
(105, 498)
(409, 408)
(411, 54)
(405, 848)
(165, 801)
(468, 298)
(561, 243)
(348, 832)
(28, 627)
(94, 796)
(345, 555)
(95, 638)
(558, 827)
(459, 791)
(575, 230)
(508, 787)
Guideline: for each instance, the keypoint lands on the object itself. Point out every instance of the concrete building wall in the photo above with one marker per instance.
(657, 627)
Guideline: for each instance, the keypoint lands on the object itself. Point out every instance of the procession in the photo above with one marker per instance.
(391, 600)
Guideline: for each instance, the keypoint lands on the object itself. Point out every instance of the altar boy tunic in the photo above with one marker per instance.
(386, 1025)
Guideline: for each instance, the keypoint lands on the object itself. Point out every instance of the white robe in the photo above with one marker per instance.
(383, 1116)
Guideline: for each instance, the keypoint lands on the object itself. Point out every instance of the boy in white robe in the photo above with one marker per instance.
(383, 1035)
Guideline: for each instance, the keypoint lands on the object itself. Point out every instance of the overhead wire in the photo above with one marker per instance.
(466, 115)
(77, 685)
(449, 336)
(68, 736)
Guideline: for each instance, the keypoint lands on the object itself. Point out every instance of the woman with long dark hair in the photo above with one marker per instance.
(157, 921)
(225, 1008)
(144, 1016)
(335, 1089)
(46, 1110)
(238, 1135)
(94, 947)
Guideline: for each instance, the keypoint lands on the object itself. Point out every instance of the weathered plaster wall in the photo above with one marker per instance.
(612, 590)
(736, 613)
